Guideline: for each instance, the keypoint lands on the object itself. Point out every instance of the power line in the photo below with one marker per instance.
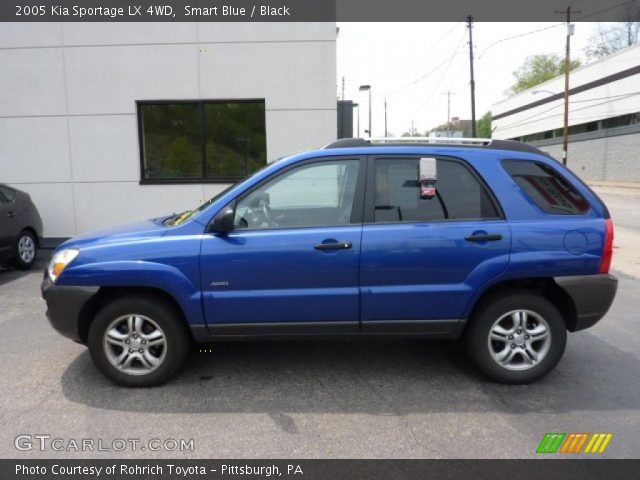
(537, 114)
(602, 11)
(413, 60)
(435, 88)
(512, 37)
(422, 77)
(527, 120)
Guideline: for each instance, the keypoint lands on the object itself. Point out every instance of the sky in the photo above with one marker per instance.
(413, 65)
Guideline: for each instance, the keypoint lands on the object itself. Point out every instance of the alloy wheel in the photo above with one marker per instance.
(519, 340)
(26, 249)
(135, 344)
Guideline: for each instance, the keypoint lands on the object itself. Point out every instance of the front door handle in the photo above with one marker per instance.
(333, 246)
(10, 214)
(483, 237)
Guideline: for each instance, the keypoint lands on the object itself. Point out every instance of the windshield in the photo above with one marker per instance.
(179, 218)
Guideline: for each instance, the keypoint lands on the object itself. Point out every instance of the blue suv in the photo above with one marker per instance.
(490, 241)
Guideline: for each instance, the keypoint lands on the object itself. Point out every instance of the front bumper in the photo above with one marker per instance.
(592, 296)
(64, 306)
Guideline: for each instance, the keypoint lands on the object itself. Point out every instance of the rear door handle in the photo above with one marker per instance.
(483, 237)
(333, 246)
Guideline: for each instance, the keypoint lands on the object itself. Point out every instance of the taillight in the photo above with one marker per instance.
(607, 251)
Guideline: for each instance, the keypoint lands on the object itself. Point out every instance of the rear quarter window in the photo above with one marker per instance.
(549, 190)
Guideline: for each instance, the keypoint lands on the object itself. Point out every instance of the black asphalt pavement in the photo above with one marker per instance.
(371, 399)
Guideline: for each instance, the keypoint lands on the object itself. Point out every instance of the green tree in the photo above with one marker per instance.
(181, 158)
(483, 126)
(538, 69)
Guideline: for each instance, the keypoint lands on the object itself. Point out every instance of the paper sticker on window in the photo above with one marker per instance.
(428, 177)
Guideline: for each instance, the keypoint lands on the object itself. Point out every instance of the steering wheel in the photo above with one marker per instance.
(266, 212)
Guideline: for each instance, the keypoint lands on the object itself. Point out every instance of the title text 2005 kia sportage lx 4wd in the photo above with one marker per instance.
(492, 241)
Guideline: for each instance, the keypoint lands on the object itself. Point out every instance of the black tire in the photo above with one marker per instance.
(495, 307)
(18, 261)
(167, 317)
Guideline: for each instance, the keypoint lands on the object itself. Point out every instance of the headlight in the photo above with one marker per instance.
(60, 261)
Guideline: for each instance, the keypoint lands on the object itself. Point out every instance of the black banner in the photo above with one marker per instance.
(320, 469)
(310, 10)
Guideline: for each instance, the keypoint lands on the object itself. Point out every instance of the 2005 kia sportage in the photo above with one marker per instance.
(491, 241)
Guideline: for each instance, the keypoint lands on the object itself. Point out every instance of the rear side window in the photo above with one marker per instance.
(549, 190)
(460, 196)
(6, 194)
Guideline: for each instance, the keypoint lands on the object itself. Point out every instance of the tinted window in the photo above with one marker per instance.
(235, 137)
(6, 194)
(311, 195)
(188, 141)
(397, 193)
(546, 187)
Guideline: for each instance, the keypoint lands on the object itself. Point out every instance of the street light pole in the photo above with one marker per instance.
(356, 105)
(385, 118)
(367, 88)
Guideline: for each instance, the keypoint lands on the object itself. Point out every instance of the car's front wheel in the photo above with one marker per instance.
(516, 337)
(138, 341)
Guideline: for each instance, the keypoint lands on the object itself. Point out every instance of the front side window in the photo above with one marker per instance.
(459, 194)
(312, 195)
(549, 190)
(201, 141)
(6, 194)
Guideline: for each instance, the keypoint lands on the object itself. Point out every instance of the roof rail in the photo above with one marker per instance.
(415, 141)
(431, 140)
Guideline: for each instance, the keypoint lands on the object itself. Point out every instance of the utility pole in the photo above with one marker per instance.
(473, 82)
(342, 88)
(567, 67)
(385, 118)
(448, 93)
(412, 129)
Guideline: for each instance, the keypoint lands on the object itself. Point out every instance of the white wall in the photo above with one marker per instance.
(610, 100)
(68, 127)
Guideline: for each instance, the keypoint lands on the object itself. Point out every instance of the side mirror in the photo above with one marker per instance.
(223, 221)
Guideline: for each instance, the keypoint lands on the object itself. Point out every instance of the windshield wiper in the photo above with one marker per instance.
(174, 218)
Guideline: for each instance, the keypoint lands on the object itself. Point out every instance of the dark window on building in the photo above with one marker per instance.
(546, 188)
(621, 121)
(538, 136)
(201, 141)
(583, 128)
(460, 196)
(607, 123)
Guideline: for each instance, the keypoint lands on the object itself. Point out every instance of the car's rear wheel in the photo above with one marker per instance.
(516, 337)
(25, 250)
(138, 341)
